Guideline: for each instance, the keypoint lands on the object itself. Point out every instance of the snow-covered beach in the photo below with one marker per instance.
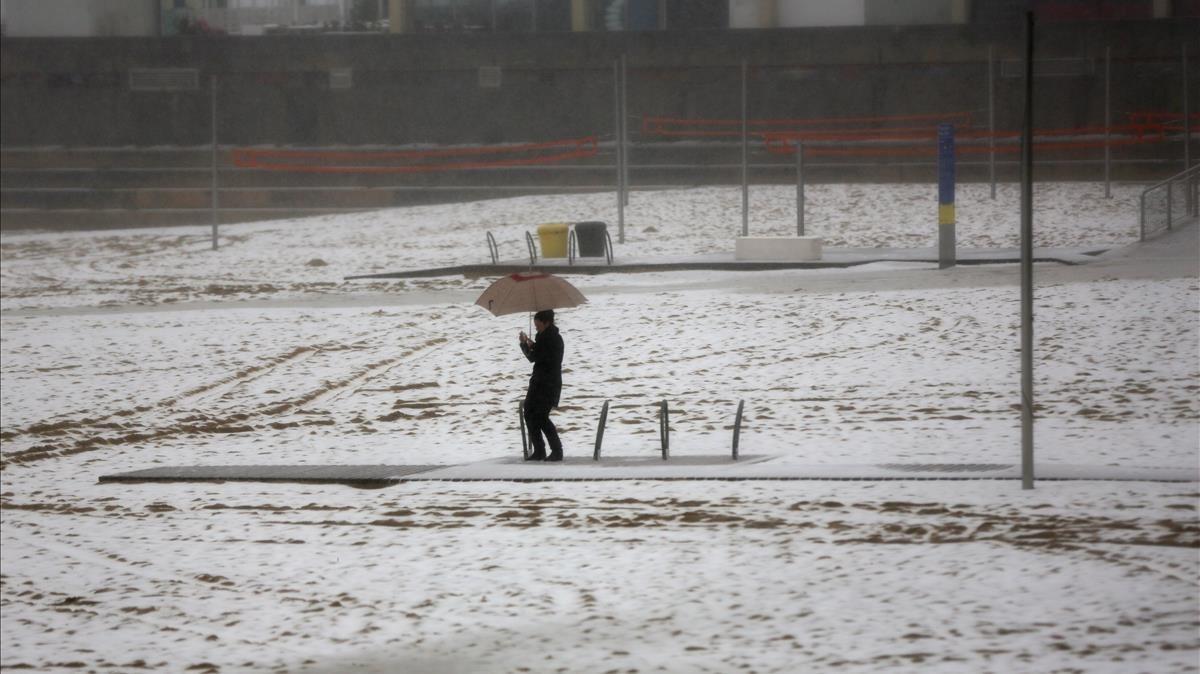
(135, 348)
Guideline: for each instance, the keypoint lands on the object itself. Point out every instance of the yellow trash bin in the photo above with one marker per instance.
(553, 237)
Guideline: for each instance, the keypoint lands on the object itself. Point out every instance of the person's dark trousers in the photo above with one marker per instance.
(537, 421)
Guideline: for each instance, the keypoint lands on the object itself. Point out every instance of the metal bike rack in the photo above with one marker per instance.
(573, 248)
(532, 249)
(664, 429)
(524, 436)
(493, 249)
(600, 431)
(737, 428)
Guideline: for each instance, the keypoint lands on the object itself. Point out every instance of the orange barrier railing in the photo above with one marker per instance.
(1172, 121)
(712, 128)
(969, 141)
(414, 161)
(912, 135)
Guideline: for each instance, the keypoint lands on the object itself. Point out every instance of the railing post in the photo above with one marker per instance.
(1142, 217)
(600, 431)
(737, 428)
(1170, 205)
(664, 430)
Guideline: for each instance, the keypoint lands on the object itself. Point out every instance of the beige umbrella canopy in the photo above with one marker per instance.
(529, 292)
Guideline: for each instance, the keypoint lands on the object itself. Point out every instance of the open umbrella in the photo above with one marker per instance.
(529, 292)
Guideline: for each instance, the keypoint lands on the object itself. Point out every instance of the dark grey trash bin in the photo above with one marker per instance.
(591, 238)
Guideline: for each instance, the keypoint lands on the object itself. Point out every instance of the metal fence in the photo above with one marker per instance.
(1171, 203)
(251, 145)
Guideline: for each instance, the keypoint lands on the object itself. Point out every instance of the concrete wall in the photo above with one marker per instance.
(795, 13)
(814, 13)
(73, 18)
(915, 12)
(426, 88)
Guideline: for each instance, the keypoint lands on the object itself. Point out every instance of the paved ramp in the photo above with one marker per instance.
(755, 467)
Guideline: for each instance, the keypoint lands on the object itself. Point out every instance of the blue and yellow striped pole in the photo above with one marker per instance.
(946, 242)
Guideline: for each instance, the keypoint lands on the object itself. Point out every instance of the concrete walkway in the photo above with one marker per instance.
(832, 258)
(702, 467)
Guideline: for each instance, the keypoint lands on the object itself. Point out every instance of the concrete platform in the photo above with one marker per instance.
(707, 467)
(831, 258)
(374, 475)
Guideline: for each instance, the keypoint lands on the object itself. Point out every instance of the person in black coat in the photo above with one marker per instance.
(545, 386)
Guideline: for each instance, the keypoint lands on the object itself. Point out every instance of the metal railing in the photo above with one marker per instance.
(493, 248)
(1170, 203)
(664, 429)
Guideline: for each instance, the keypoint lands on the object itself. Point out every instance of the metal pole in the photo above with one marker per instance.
(799, 188)
(524, 436)
(1170, 204)
(1027, 265)
(745, 161)
(626, 145)
(215, 204)
(737, 428)
(600, 431)
(1190, 199)
(947, 236)
(1142, 217)
(617, 151)
(992, 117)
(1187, 125)
(1107, 122)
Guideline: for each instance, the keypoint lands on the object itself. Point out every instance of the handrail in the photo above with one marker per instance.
(571, 248)
(1173, 178)
(608, 247)
(493, 249)
(1189, 178)
(737, 428)
(600, 431)
(532, 249)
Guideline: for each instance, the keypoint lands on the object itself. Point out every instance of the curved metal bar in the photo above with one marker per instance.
(524, 436)
(493, 249)
(600, 431)
(664, 429)
(737, 428)
(571, 247)
(532, 249)
(608, 248)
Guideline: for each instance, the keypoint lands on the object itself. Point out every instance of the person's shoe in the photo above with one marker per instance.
(554, 457)
(536, 457)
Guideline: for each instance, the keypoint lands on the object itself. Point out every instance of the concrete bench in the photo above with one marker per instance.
(778, 248)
